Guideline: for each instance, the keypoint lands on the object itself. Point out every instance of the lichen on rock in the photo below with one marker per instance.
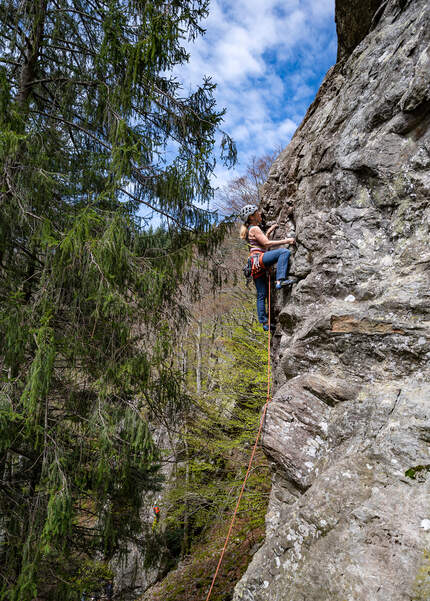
(350, 417)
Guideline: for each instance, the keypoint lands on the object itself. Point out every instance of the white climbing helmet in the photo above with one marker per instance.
(246, 211)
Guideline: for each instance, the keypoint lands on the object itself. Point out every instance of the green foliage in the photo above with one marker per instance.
(220, 430)
(192, 579)
(226, 370)
(93, 127)
(418, 472)
(91, 574)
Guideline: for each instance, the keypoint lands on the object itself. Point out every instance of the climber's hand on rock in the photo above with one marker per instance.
(271, 229)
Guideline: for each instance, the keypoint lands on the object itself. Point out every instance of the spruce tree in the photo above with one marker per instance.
(93, 127)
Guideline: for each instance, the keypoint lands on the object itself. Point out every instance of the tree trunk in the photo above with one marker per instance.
(186, 537)
(32, 43)
(199, 358)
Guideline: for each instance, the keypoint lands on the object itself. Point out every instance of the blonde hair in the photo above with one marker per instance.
(244, 228)
(244, 231)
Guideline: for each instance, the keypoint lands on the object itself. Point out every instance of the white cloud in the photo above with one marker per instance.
(268, 58)
(287, 128)
(302, 91)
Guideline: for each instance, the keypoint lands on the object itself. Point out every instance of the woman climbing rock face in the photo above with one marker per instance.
(262, 257)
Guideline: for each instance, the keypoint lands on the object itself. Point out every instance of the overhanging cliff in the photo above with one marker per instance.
(348, 430)
(354, 20)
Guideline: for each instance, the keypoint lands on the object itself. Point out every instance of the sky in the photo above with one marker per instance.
(268, 59)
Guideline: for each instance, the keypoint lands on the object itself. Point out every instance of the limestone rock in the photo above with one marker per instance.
(348, 430)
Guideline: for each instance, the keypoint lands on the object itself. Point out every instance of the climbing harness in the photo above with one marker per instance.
(254, 267)
(263, 416)
(258, 268)
(247, 271)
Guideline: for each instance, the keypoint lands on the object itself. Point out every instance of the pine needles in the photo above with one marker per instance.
(93, 129)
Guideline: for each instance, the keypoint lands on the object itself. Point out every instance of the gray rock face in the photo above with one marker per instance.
(354, 19)
(135, 572)
(348, 430)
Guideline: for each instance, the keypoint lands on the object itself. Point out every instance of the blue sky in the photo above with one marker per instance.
(268, 58)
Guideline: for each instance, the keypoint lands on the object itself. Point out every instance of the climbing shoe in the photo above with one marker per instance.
(266, 327)
(283, 283)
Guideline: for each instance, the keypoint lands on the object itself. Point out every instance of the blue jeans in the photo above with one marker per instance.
(281, 256)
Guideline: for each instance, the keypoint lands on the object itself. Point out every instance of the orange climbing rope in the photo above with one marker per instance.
(251, 459)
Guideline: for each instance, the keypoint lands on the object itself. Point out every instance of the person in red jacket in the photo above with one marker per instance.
(157, 512)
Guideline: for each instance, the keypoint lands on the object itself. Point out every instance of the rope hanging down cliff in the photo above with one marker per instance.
(263, 415)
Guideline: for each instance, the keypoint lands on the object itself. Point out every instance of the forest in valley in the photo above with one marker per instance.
(130, 356)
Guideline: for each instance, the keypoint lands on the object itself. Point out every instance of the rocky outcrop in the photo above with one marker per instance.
(147, 559)
(354, 19)
(348, 430)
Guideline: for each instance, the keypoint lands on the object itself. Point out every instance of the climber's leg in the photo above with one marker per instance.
(280, 256)
(282, 266)
(262, 290)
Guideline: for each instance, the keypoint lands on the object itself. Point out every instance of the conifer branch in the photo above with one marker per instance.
(91, 304)
(152, 207)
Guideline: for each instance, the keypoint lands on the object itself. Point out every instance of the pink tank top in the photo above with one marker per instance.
(253, 244)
